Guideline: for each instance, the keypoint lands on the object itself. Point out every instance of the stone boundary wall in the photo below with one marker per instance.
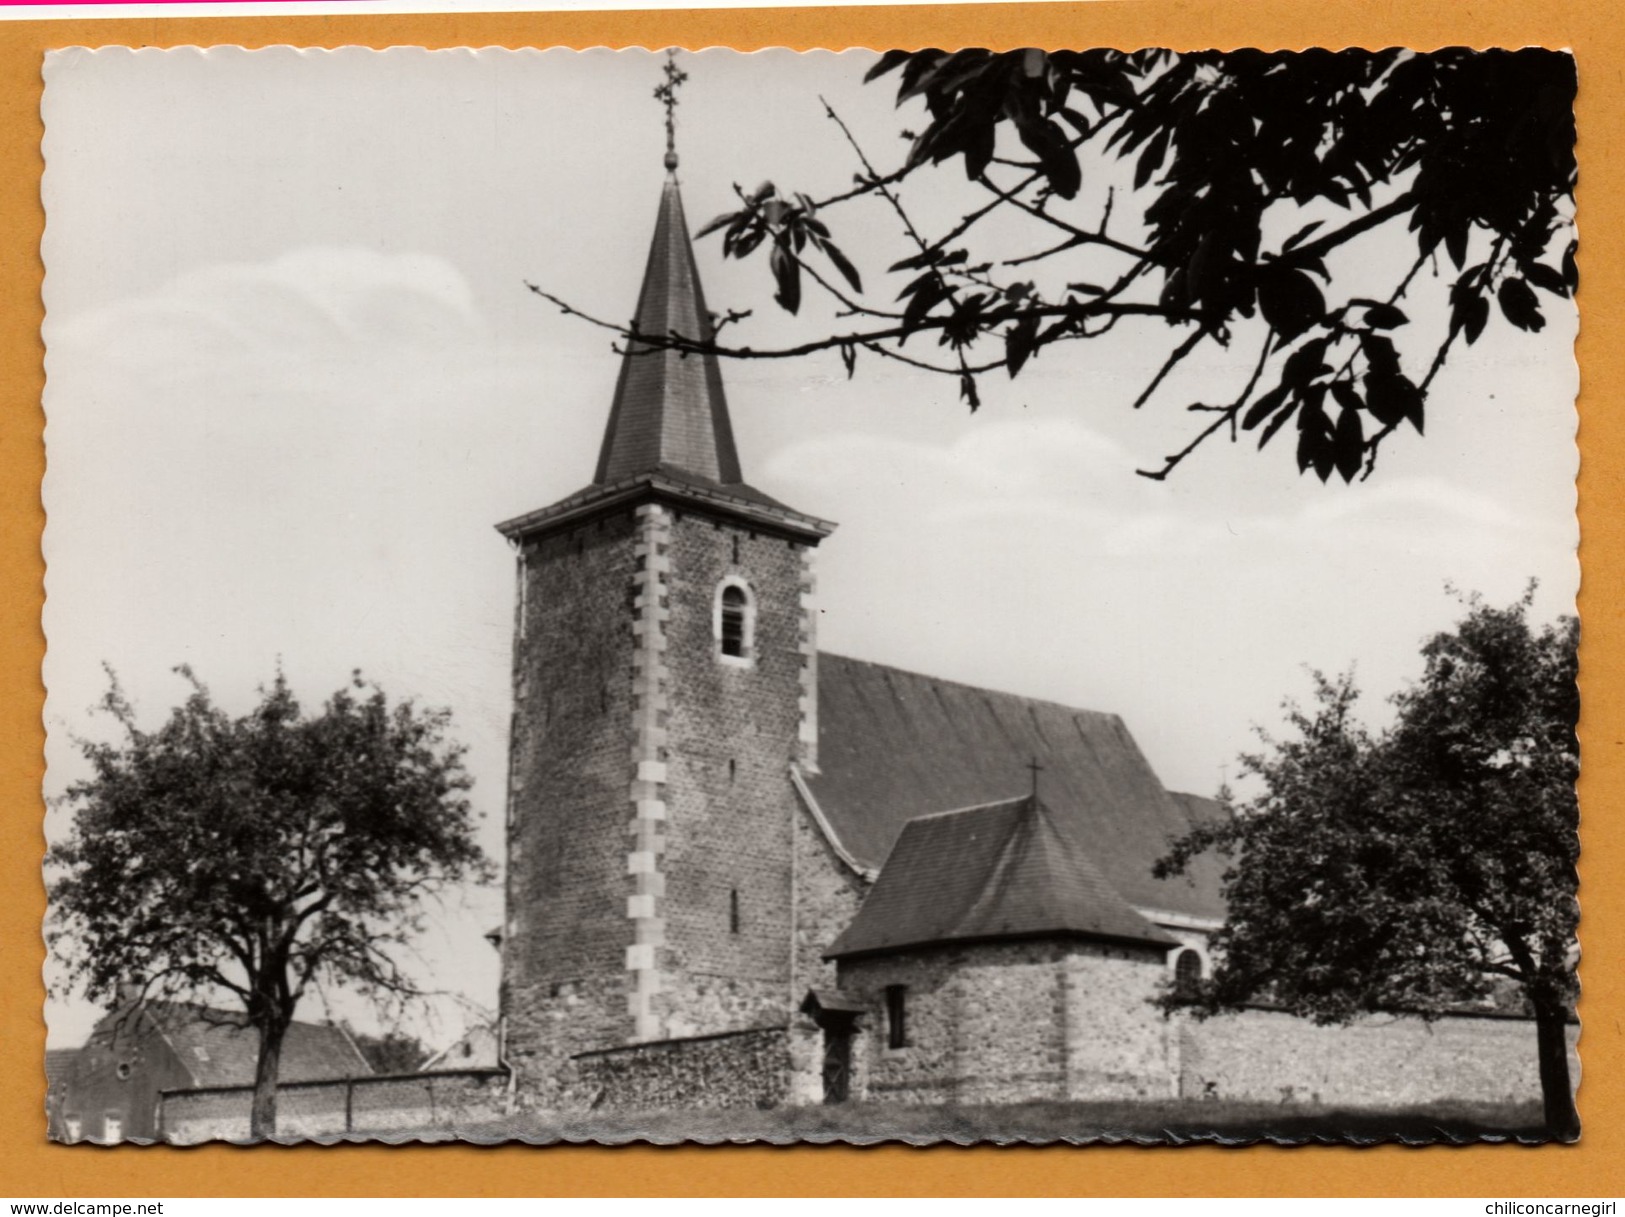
(734, 1069)
(333, 1108)
(1271, 1056)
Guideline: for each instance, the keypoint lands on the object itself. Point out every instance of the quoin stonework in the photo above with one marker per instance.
(741, 872)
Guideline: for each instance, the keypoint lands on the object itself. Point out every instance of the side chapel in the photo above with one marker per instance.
(741, 870)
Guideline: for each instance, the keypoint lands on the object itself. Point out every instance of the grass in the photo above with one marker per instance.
(1146, 1122)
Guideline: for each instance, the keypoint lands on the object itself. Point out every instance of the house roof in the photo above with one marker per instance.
(1012, 869)
(218, 1048)
(58, 1063)
(893, 745)
(669, 408)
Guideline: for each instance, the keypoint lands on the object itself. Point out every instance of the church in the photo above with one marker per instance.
(741, 871)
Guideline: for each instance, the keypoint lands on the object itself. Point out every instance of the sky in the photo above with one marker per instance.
(295, 376)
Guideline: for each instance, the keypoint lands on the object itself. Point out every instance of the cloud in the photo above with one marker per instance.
(311, 301)
(1051, 477)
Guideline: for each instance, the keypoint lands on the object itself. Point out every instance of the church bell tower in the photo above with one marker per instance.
(664, 683)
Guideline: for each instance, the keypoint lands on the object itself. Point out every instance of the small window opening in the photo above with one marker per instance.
(124, 1070)
(736, 551)
(733, 621)
(733, 767)
(896, 1016)
(1187, 973)
(733, 911)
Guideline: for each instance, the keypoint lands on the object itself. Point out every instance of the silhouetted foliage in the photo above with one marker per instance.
(391, 1051)
(260, 856)
(1203, 193)
(1423, 868)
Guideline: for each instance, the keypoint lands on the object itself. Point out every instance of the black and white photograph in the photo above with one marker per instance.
(662, 595)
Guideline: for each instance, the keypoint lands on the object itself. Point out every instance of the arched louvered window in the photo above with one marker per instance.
(735, 622)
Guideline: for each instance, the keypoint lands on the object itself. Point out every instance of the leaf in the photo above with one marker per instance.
(842, 264)
(721, 221)
(787, 274)
(1469, 313)
(1276, 423)
(1264, 407)
(1392, 398)
(1290, 301)
(1544, 276)
(1519, 305)
(1151, 159)
(1380, 357)
(915, 262)
(1305, 364)
(930, 293)
(1346, 395)
(1385, 317)
(1348, 444)
(1302, 235)
(1020, 340)
(888, 62)
(967, 391)
(1455, 243)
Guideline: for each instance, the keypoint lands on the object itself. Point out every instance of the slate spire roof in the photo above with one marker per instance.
(1012, 869)
(669, 412)
(669, 435)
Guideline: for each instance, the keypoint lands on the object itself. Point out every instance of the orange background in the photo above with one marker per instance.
(31, 1167)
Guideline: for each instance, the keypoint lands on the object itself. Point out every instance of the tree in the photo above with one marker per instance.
(1228, 198)
(392, 1051)
(1419, 867)
(260, 856)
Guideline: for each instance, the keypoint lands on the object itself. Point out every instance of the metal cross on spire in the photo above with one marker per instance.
(666, 95)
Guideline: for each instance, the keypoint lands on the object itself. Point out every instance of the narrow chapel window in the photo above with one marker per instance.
(735, 608)
(1187, 972)
(733, 911)
(896, 1017)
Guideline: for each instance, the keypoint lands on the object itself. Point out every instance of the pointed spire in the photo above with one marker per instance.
(669, 411)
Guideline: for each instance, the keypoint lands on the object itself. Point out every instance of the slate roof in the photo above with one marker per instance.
(218, 1049)
(669, 434)
(893, 745)
(1014, 869)
(669, 408)
(58, 1066)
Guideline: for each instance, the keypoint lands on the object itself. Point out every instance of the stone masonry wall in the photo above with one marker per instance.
(738, 1069)
(417, 1102)
(733, 732)
(983, 1022)
(1275, 1057)
(1117, 1044)
(827, 895)
(564, 983)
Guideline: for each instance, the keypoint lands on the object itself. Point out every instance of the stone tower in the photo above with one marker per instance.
(664, 686)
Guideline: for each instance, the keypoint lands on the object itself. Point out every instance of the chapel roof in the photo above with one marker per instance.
(219, 1048)
(894, 745)
(1011, 869)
